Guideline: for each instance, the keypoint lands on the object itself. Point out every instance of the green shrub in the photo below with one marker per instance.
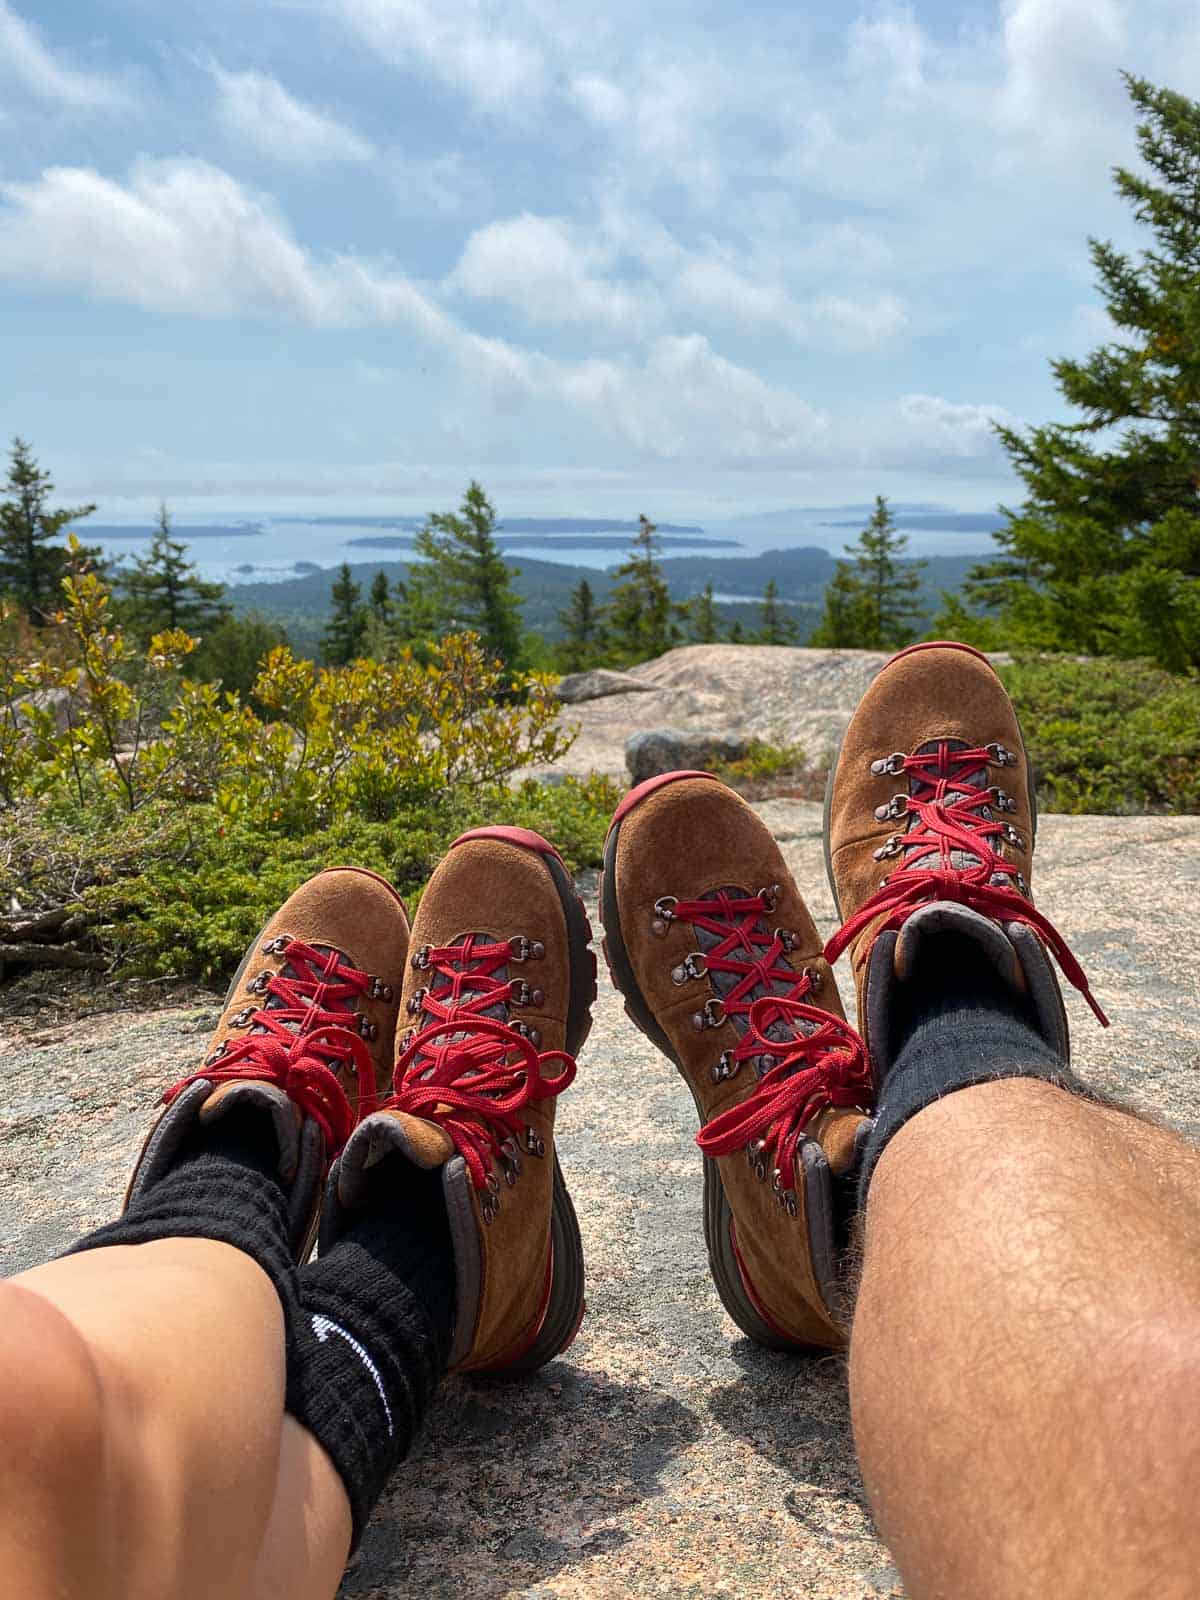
(1109, 736)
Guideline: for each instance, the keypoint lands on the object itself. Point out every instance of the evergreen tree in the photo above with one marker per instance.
(737, 634)
(379, 601)
(843, 625)
(703, 616)
(465, 582)
(871, 601)
(345, 633)
(164, 590)
(640, 618)
(32, 565)
(581, 643)
(1104, 556)
(776, 626)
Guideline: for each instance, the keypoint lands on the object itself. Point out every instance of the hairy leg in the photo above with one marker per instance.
(1025, 1358)
(143, 1444)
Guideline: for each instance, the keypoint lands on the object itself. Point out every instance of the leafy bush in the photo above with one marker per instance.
(1109, 736)
(167, 818)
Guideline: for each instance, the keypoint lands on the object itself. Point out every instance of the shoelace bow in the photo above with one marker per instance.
(457, 1071)
(303, 1039)
(950, 820)
(825, 1067)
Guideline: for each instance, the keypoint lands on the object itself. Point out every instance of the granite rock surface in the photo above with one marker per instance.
(664, 1455)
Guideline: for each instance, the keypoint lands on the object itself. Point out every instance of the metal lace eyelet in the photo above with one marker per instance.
(1001, 756)
(534, 1143)
(712, 1015)
(380, 990)
(1013, 837)
(215, 1055)
(664, 907)
(367, 1029)
(259, 984)
(488, 1207)
(770, 897)
(692, 966)
(816, 978)
(1001, 800)
(727, 1066)
(888, 766)
(415, 1001)
(242, 1017)
(756, 1151)
(892, 847)
(896, 807)
(787, 938)
(420, 958)
(277, 945)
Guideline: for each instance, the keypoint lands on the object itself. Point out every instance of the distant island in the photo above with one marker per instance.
(556, 525)
(939, 521)
(506, 539)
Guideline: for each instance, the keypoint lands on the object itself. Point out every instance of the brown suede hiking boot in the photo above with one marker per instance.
(306, 1033)
(930, 821)
(712, 946)
(498, 1001)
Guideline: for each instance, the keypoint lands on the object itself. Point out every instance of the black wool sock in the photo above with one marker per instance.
(222, 1186)
(955, 1023)
(367, 1327)
(369, 1344)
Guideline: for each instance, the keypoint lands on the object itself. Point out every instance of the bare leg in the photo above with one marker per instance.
(1025, 1360)
(144, 1449)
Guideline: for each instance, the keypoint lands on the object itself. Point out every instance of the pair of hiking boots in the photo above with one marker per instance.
(447, 1043)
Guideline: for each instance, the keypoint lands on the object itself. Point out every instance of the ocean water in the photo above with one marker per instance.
(261, 549)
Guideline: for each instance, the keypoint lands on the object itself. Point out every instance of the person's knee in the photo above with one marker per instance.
(51, 1400)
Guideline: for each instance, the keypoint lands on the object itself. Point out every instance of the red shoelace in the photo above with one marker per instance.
(825, 1067)
(302, 1039)
(815, 1067)
(949, 820)
(458, 1070)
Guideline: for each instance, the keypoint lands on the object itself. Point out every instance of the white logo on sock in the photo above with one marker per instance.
(323, 1327)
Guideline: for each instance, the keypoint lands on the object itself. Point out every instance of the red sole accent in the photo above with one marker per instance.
(525, 837)
(635, 796)
(938, 644)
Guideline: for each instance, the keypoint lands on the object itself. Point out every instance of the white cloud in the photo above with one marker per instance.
(686, 400)
(29, 65)
(257, 110)
(185, 237)
(713, 285)
(926, 428)
(537, 265)
(456, 40)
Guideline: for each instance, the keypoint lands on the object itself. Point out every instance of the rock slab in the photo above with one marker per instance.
(664, 1455)
(678, 749)
(577, 687)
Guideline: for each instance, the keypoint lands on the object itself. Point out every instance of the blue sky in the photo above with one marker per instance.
(693, 258)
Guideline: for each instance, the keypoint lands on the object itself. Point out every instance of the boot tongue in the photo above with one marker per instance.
(941, 917)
